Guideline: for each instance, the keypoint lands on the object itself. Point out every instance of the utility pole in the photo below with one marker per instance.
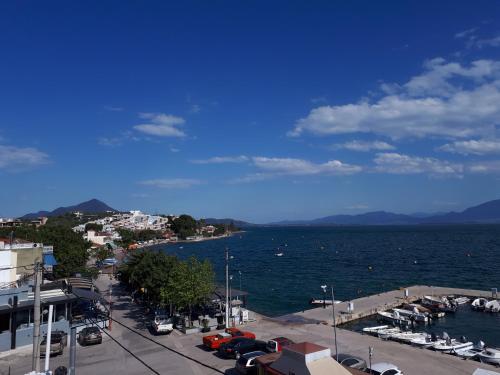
(72, 351)
(334, 327)
(227, 287)
(35, 364)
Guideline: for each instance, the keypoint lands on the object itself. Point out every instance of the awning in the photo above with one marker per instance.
(49, 260)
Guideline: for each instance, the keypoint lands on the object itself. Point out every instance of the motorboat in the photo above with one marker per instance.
(374, 330)
(413, 306)
(451, 345)
(470, 353)
(279, 254)
(479, 303)
(427, 341)
(459, 300)
(492, 306)
(386, 334)
(407, 337)
(393, 317)
(413, 315)
(320, 302)
(438, 304)
(490, 355)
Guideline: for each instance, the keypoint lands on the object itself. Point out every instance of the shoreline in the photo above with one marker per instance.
(204, 239)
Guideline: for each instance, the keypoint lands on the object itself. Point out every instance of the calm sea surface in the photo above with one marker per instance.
(358, 261)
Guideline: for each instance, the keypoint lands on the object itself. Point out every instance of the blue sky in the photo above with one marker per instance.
(254, 110)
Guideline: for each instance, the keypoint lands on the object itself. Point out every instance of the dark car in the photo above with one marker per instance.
(58, 340)
(246, 363)
(90, 335)
(241, 345)
(351, 361)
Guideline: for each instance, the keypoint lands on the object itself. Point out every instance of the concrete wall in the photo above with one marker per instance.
(5, 341)
(7, 276)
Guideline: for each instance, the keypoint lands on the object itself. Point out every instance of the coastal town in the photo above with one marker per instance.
(130, 297)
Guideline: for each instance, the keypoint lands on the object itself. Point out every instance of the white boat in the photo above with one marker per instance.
(492, 306)
(374, 330)
(427, 341)
(438, 304)
(279, 254)
(393, 317)
(461, 300)
(413, 306)
(470, 353)
(479, 303)
(413, 315)
(451, 345)
(407, 337)
(386, 334)
(320, 302)
(490, 355)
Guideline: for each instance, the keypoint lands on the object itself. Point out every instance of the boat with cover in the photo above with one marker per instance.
(438, 304)
(393, 317)
(470, 353)
(413, 315)
(492, 306)
(479, 303)
(490, 355)
(413, 306)
(451, 345)
(459, 300)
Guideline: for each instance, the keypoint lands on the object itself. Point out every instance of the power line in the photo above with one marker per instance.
(155, 342)
(126, 349)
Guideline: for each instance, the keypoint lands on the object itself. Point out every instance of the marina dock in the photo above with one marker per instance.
(370, 305)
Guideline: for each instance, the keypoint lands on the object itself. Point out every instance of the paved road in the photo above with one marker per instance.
(109, 358)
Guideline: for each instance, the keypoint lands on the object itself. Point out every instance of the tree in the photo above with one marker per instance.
(93, 226)
(184, 226)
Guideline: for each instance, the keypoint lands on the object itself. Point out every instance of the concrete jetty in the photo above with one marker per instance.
(370, 305)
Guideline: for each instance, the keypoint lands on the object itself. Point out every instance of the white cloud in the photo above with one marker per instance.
(363, 146)
(222, 159)
(465, 33)
(15, 158)
(404, 164)
(161, 125)
(476, 147)
(431, 104)
(359, 206)
(195, 108)
(490, 42)
(171, 183)
(290, 166)
(484, 167)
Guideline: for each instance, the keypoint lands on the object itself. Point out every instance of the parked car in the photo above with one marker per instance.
(90, 335)
(277, 344)
(384, 368)
(162, 324)
(215, 341)
(239, 346)
(58, 340)
(109, 262)
(351, 361)
(246, 363)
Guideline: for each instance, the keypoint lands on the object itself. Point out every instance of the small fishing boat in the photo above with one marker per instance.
(451, 345)
(459, 300)
(470, 353)
(492, 306)
(393, 317)
(279, 254)
(479, 304)
(427, 341)
(313, 301)
(407, 337)
(490, 355)
(437, 304)
(374, 330)
(420, 308)
(386, 334)
(413, 315)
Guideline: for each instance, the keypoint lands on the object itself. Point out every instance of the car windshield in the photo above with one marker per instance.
(349, 362)
(92, 330)
(391, 372)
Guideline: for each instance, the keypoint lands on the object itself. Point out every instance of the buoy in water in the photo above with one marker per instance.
(370, 268)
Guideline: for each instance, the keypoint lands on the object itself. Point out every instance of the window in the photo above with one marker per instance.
(23, 319)
(4, 322)
(60, 312)
(391, 372)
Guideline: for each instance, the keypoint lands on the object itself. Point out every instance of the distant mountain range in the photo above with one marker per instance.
(488, 212)
(89, 207)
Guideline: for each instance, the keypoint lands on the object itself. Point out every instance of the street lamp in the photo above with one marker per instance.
(370, 355)
(231, 297)
(324, 295)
